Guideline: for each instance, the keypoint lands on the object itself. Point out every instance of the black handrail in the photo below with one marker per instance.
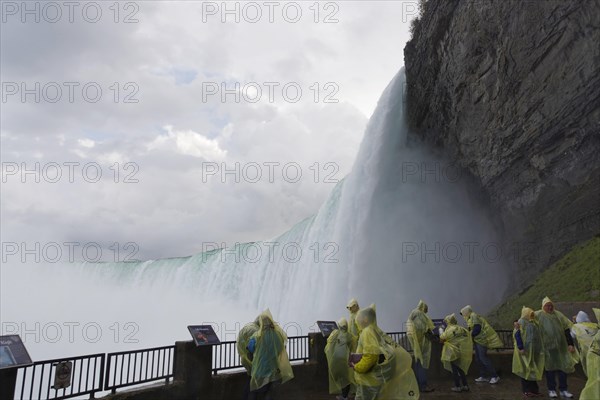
(298, 348)
(402, 339)
(40, 384)
(507, 339)
(94, 373)
(225, 356)
(128, 368)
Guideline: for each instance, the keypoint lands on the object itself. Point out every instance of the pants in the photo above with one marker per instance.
(264, 393)
(529, 386)
(551, 380)
(346, 391)
(460, 379)
(421, 375)
(486, 369)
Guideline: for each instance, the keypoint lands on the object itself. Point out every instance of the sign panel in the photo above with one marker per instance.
(13, 352)
(203, 335)
(438, 323)
(326, 327)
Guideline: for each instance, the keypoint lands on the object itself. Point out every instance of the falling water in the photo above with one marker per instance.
(401, 227)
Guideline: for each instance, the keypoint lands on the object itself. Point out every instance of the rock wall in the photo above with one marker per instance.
(511, 91)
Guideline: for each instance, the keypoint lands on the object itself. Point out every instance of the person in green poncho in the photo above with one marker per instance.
(591, 391)
(270, 361)
(528, 355)
(584, 331)
(485, 337)
(384, 371)
(339, 346)
(242, 347)
(457, 352)
(419, 331)
(559, 350)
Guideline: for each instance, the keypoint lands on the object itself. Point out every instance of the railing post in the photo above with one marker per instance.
(317, 354)
(8, 380)
(194, 368)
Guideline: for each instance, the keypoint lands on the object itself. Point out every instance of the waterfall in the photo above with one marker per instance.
(389, 233)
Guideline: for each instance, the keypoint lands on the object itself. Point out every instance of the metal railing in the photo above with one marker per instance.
(507, 338)
(94, 373)
(402, 339)
(127, 368)
(298, 348)
(225, 356)
(36, 381)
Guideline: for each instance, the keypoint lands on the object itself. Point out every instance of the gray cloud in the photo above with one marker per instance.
(169, 56)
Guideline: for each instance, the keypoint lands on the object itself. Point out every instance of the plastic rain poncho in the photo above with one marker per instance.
(458, 346)
(352, 326)
(488, 336)
(242, 343)
(339, 346)
(270, 362)
(391, 379)
(553, 326)
(584, 331)
(417, 325)
(530, 365)
(592, 386)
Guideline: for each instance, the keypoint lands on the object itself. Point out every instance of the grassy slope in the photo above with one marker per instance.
(575, 277)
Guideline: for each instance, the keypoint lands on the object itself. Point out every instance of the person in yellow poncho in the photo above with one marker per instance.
(353, 329)
(353, 308)
(242, 347)
(591, 391)
(384, 371)
(339, 346)
(528, 355)
(270, 361)
(242, 343)
(485, 337)
(584, 331)
(419, 331)
(457, 352)
(558, 347)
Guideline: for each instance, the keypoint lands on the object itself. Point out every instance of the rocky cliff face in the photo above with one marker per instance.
(511, 91)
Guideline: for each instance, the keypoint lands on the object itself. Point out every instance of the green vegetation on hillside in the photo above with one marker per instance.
(575, 277)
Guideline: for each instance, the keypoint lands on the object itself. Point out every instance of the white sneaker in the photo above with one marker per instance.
(552, 394)
(565, 394)
(495, 380)
(481, 379)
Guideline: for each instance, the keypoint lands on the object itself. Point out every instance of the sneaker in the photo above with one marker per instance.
(340, 398)
(552, 394)
(495, 380)
(465, 388)
(481, 379)
(456, 389)
(427, 389)
(566, 394)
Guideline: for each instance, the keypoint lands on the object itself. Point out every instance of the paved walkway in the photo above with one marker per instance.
(509, 388)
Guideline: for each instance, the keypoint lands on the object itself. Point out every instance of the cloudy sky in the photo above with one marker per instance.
(119, 123)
